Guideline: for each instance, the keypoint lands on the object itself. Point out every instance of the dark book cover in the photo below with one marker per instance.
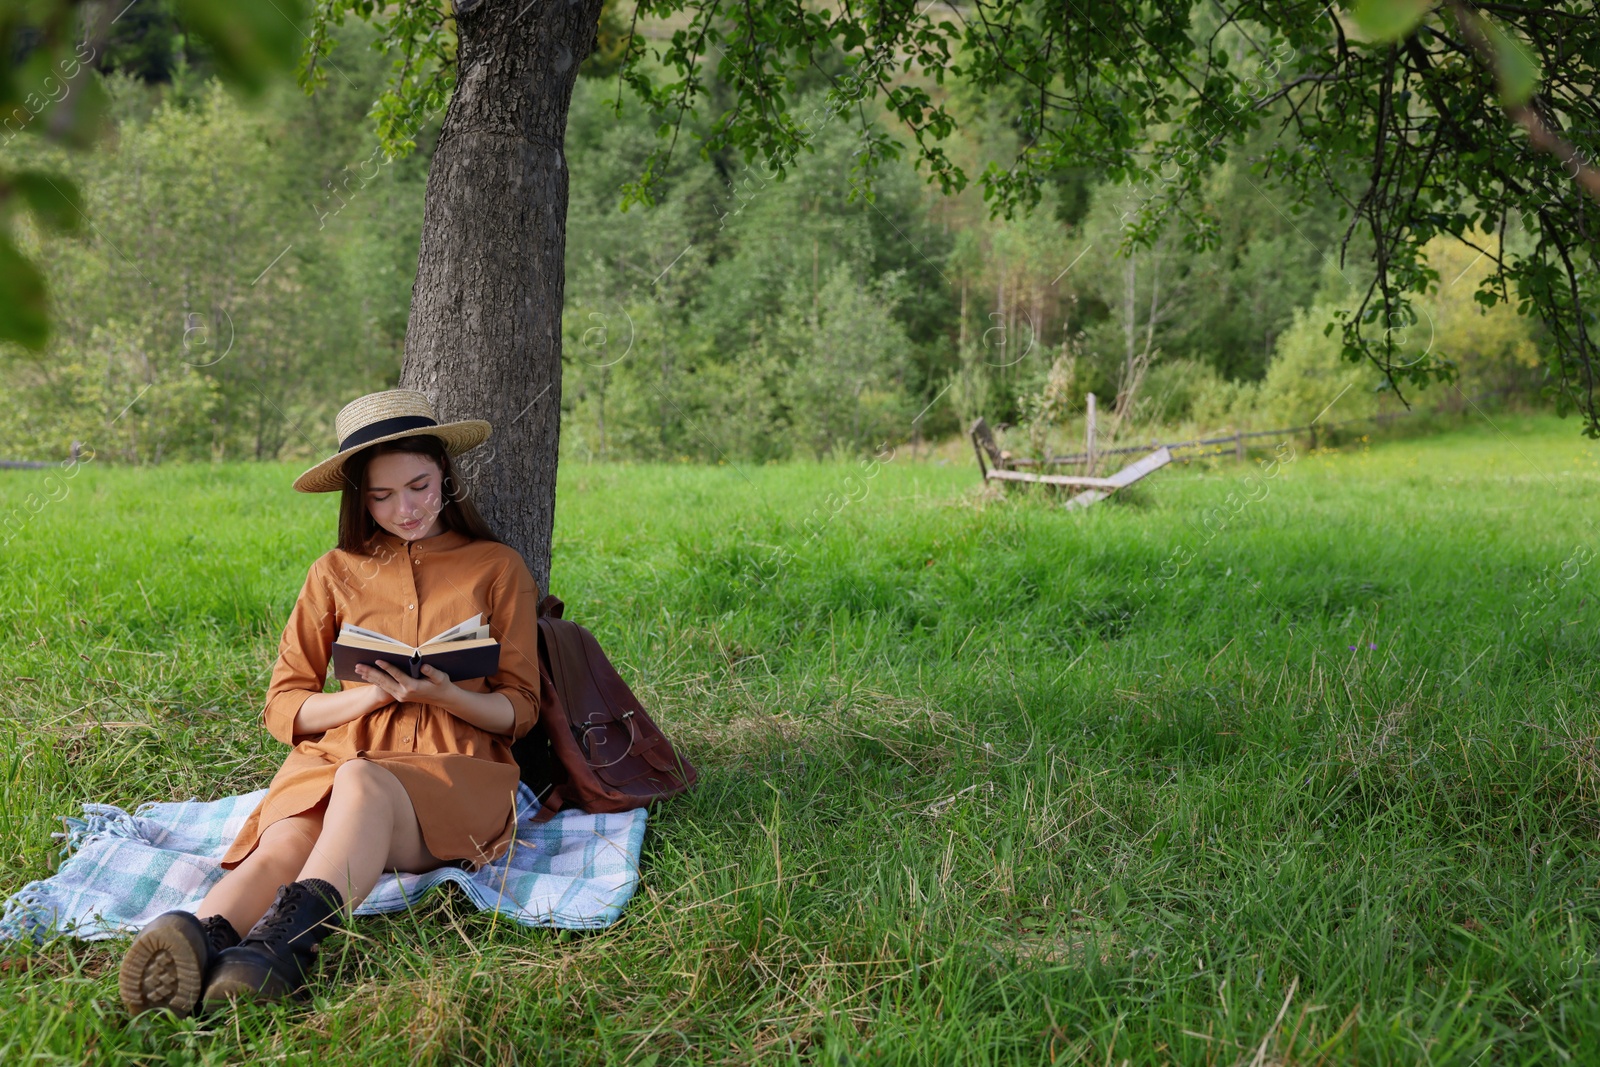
(475, 661)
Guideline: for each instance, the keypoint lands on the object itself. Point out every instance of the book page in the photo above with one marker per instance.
(391, 649)
(451, 646)
(473, 629)
(465, 630)
(371, 635)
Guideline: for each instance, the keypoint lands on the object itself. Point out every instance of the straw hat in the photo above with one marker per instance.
(385, 416)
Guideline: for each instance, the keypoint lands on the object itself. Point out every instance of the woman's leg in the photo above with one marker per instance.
(369, 827)
(168, 964)
(244, 893)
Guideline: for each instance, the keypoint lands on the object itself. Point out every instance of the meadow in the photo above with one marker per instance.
(1286, 761)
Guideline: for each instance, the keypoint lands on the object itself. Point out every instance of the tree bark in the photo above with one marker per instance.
(484, 335)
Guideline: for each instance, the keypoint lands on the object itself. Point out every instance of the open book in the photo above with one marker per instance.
(464, 651)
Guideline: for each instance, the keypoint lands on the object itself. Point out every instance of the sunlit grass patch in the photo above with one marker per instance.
(1311, 778)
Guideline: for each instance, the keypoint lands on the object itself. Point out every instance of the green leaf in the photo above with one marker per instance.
(1389, 20)
(253, 39)
(1514, 66)
(53, 198)
(24, 303)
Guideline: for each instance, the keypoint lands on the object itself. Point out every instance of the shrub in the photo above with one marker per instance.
(1307, 375)
(1172, 388)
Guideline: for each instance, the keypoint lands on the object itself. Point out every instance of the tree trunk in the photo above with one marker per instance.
(1130, 314)
(484, 336)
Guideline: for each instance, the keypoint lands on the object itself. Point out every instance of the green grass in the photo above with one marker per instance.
(983, 780)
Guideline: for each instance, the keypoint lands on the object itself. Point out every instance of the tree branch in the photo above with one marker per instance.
(1526, 115)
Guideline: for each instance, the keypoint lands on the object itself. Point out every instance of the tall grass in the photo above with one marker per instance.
(1233, 769)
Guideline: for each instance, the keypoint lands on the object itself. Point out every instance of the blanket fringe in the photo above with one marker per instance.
(100, 820)
(29, 914)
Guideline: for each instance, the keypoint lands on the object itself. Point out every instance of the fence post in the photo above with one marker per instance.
(1238, 445)
(1089, 433)
(75, 446)
(1313, 429)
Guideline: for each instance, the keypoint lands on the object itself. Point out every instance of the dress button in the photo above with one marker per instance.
(411, 607)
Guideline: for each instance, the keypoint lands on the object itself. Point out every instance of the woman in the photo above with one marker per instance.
(388, 774)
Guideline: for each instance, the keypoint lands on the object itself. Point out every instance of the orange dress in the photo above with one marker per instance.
(462, 780)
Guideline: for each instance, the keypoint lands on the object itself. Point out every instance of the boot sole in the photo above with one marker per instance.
(163, 968)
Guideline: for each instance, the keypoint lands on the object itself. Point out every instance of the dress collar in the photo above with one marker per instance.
(438, 542)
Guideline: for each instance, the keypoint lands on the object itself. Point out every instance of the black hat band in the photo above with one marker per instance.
(383, 428)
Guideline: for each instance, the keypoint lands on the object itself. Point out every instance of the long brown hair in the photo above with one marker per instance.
(357, 527)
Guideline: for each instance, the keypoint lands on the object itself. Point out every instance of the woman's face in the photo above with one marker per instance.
(404, 494)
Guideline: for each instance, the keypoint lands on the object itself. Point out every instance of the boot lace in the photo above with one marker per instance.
(219, 932)
(282, 917)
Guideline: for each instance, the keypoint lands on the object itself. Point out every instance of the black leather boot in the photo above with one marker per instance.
(166, 965)
(272, 960)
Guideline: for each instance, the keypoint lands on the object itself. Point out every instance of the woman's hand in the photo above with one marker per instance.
(487, 711)
(435, 688)
(388, 683)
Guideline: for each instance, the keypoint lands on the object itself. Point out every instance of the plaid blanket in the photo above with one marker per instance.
(577, 871)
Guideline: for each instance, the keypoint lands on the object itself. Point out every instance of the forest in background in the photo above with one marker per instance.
(248, 269)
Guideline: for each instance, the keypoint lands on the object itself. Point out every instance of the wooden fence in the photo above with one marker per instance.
(38, 464)
(1237, 440)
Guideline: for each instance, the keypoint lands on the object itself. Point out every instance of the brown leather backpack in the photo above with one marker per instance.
(594, 746)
